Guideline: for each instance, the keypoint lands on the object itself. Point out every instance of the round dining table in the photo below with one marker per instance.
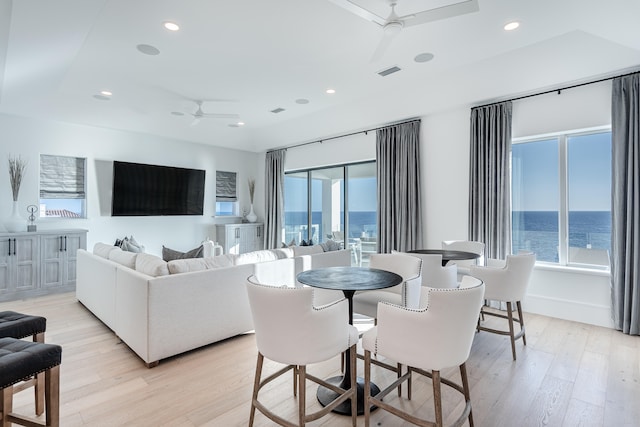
(447, 254)
(348, 280)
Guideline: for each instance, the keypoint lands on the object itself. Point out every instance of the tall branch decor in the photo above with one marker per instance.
(16, 172)
(252, 188)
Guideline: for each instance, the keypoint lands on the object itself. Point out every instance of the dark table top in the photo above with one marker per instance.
(349, 278)
(447, 255)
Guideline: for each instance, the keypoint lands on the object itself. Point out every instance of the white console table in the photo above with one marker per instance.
(39, 263)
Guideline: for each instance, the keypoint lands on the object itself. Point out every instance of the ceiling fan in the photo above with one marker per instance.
(199, 114)
(393, 24)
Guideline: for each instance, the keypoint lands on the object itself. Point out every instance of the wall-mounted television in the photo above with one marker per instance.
(140, 189)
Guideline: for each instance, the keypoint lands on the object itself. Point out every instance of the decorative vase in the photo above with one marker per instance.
(251, 216)
(15, 222)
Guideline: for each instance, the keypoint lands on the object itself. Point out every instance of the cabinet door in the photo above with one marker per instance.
(251, 238)
(6, 281)
(72, 243)
(233, 239)
(25, 256)
(52, 260)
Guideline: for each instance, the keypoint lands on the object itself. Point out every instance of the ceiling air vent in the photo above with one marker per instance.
(277, 110)
(388, 71)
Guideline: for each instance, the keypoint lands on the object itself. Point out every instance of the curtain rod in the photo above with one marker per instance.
(559, 89)
(365, 131)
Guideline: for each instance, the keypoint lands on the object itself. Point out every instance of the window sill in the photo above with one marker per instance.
(571, 269)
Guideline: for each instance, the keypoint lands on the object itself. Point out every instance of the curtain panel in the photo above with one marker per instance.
(274, 200)
(489, 179)
(625, 203)
(399, 204)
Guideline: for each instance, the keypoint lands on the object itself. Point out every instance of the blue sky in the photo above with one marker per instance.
(589, 174)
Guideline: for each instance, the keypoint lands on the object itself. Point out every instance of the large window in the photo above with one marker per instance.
(315, 202)
(561, 198)
(226, 194)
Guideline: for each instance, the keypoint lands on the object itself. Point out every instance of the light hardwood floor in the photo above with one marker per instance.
(569, 374)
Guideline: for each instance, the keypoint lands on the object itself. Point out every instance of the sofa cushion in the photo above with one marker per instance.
(284, 253)
(127, 259)
(330, 245)
(171, 254)
(307, 250)
(103, 249)
(187, 265)
(151, 265)
(260, 256)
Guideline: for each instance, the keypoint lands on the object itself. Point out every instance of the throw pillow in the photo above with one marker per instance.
(330, 245)
(171, 254)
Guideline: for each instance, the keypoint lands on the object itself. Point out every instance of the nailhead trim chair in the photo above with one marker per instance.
(19, 325)
(507, 284)
(434, 337)
(20, 360)
(291, 331)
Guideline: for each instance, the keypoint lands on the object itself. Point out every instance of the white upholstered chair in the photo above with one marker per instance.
(436, 336)
(434, 274)
(506, 284)
(466, 246)
(406, 294)
(291, 331)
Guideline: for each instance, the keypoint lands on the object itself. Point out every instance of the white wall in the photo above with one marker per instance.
(30, 137)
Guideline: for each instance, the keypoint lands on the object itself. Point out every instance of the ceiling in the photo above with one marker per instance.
(249, 57)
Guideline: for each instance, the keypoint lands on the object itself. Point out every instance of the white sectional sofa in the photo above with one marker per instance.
(162, 309)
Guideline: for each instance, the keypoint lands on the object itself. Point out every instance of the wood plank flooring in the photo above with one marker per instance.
(569, 374)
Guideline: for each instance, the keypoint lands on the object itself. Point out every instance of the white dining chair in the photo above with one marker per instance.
(291, 331)
(507, 284)
(435, 336)
(466, 246)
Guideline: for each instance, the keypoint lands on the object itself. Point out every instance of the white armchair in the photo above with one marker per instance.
(506, 284)
(406, 294)
(290, 330)
(436, 336)
(434, 275)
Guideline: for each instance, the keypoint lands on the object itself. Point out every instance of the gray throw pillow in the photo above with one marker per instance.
(171, 254)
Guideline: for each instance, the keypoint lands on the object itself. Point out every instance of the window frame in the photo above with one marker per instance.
(563, 191)
(84, 210)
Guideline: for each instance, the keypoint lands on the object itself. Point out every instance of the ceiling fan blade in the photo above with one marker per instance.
(357, 10)
(384, 44)
(444, 12)
(220, 115)
(195, 121)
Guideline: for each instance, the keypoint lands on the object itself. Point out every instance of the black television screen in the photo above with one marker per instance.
(140, 189)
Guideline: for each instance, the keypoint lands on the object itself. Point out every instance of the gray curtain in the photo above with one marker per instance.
(625, 204)
(398, 164)
(489, 185)
(274, 200)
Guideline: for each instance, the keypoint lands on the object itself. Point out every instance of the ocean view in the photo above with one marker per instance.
(536, 231)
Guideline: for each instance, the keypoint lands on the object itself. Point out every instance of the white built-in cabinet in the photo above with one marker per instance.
(240, 238)
(39, 263)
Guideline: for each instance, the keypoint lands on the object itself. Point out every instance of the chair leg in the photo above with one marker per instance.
(302, 394)
(52, 396)
(367, 387)
(256, 385)
(511, 335)
(465, 389)
(295, 381)
(399, 375)
(437, 397)
(39, 381)
(354, 384)
(6, 405)
(524, 335)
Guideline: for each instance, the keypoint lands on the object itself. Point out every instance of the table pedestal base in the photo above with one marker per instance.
(326, 396)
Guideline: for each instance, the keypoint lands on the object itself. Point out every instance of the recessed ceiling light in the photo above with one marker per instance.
(302, 101)
(106, 92)
(171, 26)
(147, 49)
(511, 26)
(240, 123)
(331, 91)
(423, 57)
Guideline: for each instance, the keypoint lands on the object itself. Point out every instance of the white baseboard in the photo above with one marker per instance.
(593, 314)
